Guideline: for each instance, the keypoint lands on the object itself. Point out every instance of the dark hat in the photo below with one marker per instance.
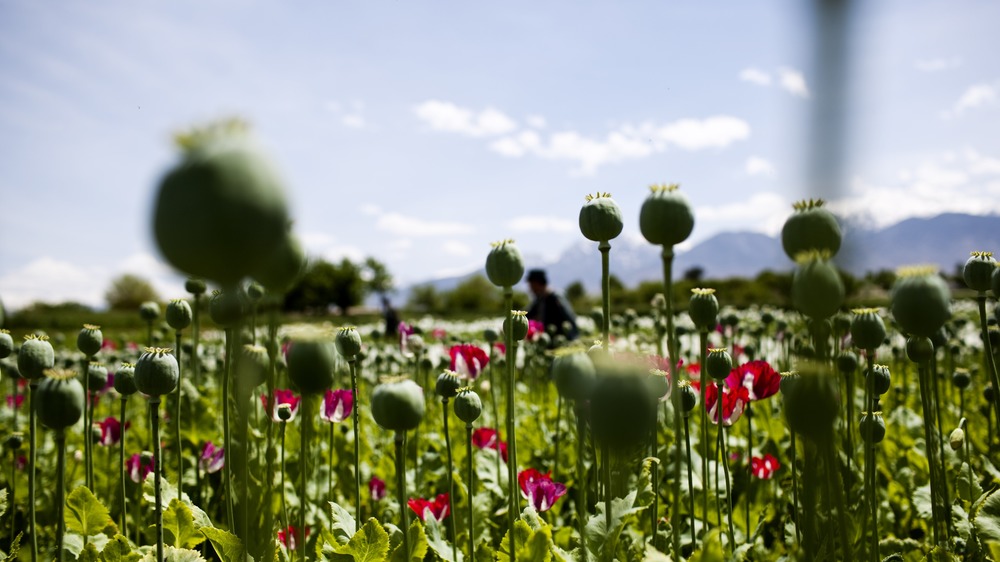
(538, 276)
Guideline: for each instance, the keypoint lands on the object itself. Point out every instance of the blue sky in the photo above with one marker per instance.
(418, 132)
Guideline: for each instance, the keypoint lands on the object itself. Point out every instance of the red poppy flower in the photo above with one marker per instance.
(757, 377)
(439, 508)
(764, 468)
(376, 488)
(111, 431)
(282, 397)
(734, 401)
(14, 403)
(500, 348)
(137, 469)
(534, 328)
(539, 489)
(468, 359)
(337, 405)
(290, 536)
(212, 458)
(488, 438)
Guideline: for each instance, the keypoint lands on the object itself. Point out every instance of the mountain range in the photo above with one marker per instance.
(944, 240)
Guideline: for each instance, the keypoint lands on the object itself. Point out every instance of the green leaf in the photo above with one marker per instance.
(711, 548)
(118, 549)
(342, 524)
(15, 547)
(85, 514)
(89, 554)
(968, 490)
(178, 523)
(602, 541)
(538, 548)
(418, 545)
(985, 516)
(523, 533)
(369, 544)
(3, 501)
(171, 554)
(436, 540)
(226, 545)
(167, 494)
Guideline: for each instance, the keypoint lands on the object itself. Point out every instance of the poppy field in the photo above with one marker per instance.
(694, 432)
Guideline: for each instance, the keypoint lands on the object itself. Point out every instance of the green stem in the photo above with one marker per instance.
(306, 420)
(400, 441)
(60, 490)
(284, 504)
(834, 479)
(605, 248)
(929, 449)
(357, 440)
(870, 491)
(555, 463)
(988, 351)
(687, 449)
(675, 395)
(608, 496)
(849, 398)
(195, 334)
(512, 494)
(749, 415)
(943, 474)
(177, 414)
(451, 477)
(87, 444)
(703, 345)
(795, 491)
(470, 488)
(725, 471)
(267, 554)
(121, 468)
(32, 462)
(154, 415)
(581, 480)
(329, 474)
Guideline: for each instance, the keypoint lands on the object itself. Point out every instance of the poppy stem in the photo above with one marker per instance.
(508, 302)
(795, 491)
(451, 477)
(32, 458)
(154, 416)
(87, 471)
(703, 344)
(687, 448)
(306, 419)
(400, 440)
(581, 480)
(121, 468)
(284, 506)
(725, 471)
(177, 415)
(355, 418)
(60, 490)
(555, 464)
(469, 492)
(675, 395)
(990, 360)
(749, 415)
(227, 437)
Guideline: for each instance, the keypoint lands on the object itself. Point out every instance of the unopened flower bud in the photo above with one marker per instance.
(89, 340)
(665, 218)
(179, 314)
(601, 218)
(504, 265)
(978, 271)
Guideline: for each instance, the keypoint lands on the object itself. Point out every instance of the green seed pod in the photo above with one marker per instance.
(6, 344)
(226, 308)
(659, 384)
(978, 271)
(398, 405)
(149, 311)
(252, 366)
(468, 406)
(255, 291)
(125, 380)
(415, 343)
(60, 399)
(817, 290)
(621, 407)
(689, 397)
(14, 441)
(847, 362)
(703, 309)
(283, 267)
(880, 379)
(348, 342)
(491, 336)
(811, 404)
(574, 374)
(222, 209)
(156, 372)
(597, 316)
(504, 266)
(195, 286)
(35, 357)
(718, 364)
(447, 384)
(961, 379)
(520, 330)
(810, 228)
(665, 218)
(179, 314)
(600, 218)
(89, 340)
(920, 301)
(867, 328)
(874, 425)
(919, 349)
(312, 361)
(284, 412)
(787, 382)
(995, 286)
(957, 439)
(97, 375)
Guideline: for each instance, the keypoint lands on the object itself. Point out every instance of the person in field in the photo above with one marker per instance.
(551, 308)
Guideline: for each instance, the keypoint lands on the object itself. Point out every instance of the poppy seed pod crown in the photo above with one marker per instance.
(504, 265)
(872, 427)
(97, 377)
(398, 405)
(689, 397)
(817, 290)
(468, 406)
(348, 342)
(665, 217)
(921, 300)
(6, 344)
(600, 218)
(978, 271)
(718, 363)
(574, 374)
(156, 372)
(703, 309)
(879, 378)
(222, 208)
(149, 311)
(35, 357)
(810, 227)
(447, 384)
(520, 329)
(867, 328)
(89, 340)
(195, 286)
(125, 380)
(60, 399)
(312, 360)
(179, 314)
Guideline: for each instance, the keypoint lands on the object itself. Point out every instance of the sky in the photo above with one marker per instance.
(419, 132)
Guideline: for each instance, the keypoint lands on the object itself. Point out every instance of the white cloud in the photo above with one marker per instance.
(757, 166)
(793, 81)
(974, 96)
(456, 248)
(329, 248)
(755, 76)
(397, 223)
(937, 64)
(538, 223)
(354, 121)
(763, 212)
(371, 209)
(353, 118)
(448, 117)
(714, 132)
(536, 121)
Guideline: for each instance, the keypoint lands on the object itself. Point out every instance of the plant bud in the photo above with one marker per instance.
(226, 308)
(35, 357)
(872, 427)
(788, 380)
(574, 374)
(689, 397)
(961, 379)
(995, 286)
(665, 218)
(60, 399)
(811, 404)
(284, 412)
(252, 366)
(718, 364)
(312, 361)
(89, 340)
(847, 362)
(978, 271)
(415, 343)
(504, 265)
(97, 377)
(920, 301)
(703, 309)
(398, 405)
(658, 382)
(6, 344)
(156, 372)
(879, 378)
(957, 439)
(348, 342)
(179, 314)
(817, 290)
(919, 349)
(867, 328)
(195, 286)
(447, 384)
(621, 407)
(149, 311)
(810, 227)
(125, 380)
(520, 330)
(600, 218)
(491, 336)
(14, 441)
(468, 406)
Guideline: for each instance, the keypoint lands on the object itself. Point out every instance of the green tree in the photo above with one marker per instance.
(325, 284)
(377, 277)
(475, 294)
(576, 294)
(129, 291)
(424, 298)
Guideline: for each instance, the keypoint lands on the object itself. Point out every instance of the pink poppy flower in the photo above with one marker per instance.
(760, 380)
(212, 458)
(734, 401)
(111, 431)
(337, 405)
(488, 438)
(15, 403)
(534, 328)
(282, 397)
(438, 509)
(138, 467)
(468, 359)
(376, 488)
(289, 537)
(764, 468)
(539, 489)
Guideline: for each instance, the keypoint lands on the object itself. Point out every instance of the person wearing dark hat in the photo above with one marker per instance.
(550, 308)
